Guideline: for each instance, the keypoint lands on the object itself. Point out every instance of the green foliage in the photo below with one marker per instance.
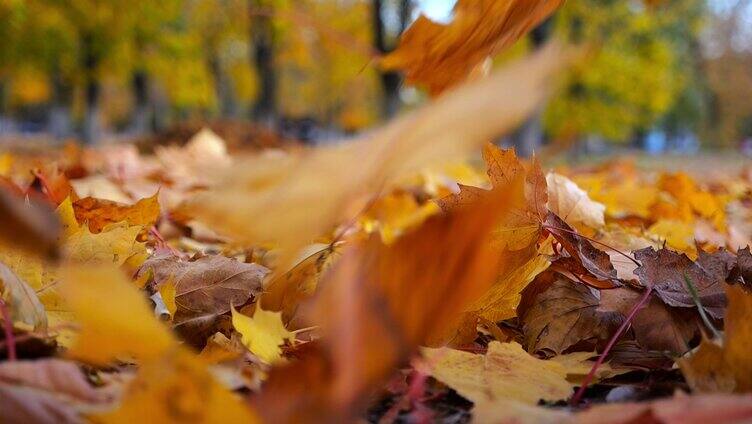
(633, 74)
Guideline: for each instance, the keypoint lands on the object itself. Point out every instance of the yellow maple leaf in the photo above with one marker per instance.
(116, 244)
(262, 334)
(505, 372)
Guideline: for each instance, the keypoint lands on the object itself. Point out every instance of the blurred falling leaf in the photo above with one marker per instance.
(377, 307)
(115, 319)
(270, 198)
(177, 389)
(439, 56)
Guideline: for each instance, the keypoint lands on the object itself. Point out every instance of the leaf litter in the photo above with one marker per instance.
(364, 280)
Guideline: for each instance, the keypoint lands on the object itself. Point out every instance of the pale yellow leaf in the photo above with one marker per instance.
(262, 334)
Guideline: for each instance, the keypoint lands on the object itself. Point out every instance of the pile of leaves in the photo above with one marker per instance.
(385, 279)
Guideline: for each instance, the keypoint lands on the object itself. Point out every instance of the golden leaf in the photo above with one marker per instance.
(262, 334)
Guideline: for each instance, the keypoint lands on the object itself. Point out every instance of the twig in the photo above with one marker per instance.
(575, 233)
(8, 329)
(700, 309)
(581, 391)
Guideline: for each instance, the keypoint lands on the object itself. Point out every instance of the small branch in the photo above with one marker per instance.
(575, 233)
(581, 391)
(8, 329)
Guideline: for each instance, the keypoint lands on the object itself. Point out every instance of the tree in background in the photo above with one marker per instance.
(634, 74)
(387, 27)
(728, 65)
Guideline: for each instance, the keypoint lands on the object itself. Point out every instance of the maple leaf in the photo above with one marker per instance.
(506, 371)
(98, 213)
(566, 314)
(269, 198)
(439, 56)
(667, 272)
(522, 226)
(585, 262)
(262, 334)
(205, 288)
(117, 243)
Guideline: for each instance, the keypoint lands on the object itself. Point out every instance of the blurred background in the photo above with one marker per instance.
(666, 75)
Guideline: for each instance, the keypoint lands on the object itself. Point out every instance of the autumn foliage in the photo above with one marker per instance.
(387, 278)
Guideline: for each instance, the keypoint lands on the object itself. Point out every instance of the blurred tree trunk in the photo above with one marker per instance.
(262, 54)
(142, 107)
(91, 59)
(390, 81)
(222, 86)
(59, 124)
(530, 136)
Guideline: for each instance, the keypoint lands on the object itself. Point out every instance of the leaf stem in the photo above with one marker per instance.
(700, 309)
(575, 233)
(8, 329)
(581, 391)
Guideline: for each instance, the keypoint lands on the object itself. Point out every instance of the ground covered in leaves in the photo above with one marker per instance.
(389, 278)
(500, 294)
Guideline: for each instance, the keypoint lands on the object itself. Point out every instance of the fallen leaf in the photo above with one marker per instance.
(666, 272)
(505, 372)
(115, 244)
(98, 213)
(564, 315)
(205, 288)
(23, 302)
(262, 334)
(572, 203)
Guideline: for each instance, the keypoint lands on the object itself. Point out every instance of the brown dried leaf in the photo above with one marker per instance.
(666, 271)
(564, 315)
(205, 288)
